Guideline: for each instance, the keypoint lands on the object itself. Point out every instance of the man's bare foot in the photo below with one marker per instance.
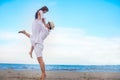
(23, 31)
(43, 76)
(30, 53)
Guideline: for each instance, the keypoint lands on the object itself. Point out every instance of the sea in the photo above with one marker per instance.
(77, 68)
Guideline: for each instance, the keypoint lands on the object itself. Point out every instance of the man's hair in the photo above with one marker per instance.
(49, 25)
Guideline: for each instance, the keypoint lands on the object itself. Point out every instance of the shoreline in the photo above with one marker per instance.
(11, 74)
(78, 68)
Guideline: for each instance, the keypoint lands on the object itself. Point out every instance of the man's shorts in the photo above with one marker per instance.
(38, 49)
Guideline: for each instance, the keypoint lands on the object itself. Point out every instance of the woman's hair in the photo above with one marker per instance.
(36, 14)
(44, 8)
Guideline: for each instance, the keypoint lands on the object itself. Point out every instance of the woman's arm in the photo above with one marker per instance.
(42, 17)
(43, 20)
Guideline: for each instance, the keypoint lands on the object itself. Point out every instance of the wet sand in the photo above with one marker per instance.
(57, 75)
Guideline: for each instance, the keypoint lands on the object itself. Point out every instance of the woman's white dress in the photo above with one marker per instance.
(39, 33)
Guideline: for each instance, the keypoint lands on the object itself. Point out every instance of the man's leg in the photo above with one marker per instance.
(42, 66)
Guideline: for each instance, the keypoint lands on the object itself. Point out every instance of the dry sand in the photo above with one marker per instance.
(57, 75)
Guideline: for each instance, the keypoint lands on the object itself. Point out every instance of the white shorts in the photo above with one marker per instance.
(38, 48)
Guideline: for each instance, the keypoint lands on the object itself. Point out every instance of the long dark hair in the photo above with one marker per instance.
(44, 8)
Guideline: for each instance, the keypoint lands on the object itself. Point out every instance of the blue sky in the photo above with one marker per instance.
(97, 21)
(100, 17)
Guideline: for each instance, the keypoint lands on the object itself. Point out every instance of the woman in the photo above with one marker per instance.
(40, 31)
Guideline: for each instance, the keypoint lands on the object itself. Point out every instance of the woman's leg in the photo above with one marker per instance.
(25, 33)
(42, 66)
(31, 51)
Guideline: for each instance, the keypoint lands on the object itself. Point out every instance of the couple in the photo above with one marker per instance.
(40, 31)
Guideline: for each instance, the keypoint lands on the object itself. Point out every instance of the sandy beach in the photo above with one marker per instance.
(57, 75)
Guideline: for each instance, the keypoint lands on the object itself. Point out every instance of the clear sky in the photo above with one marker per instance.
(86, 31)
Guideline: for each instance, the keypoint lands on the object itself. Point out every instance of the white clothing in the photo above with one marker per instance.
(39, 33)
(41, 13)
(38, 48)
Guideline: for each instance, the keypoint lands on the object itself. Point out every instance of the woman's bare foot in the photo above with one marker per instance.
(23, 31)
(43, 76)
(30, 53)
